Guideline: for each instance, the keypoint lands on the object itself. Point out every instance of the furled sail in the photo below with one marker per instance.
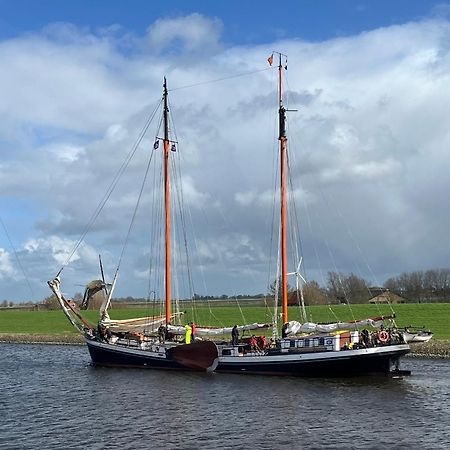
(294, 327)
(212, 331)
(138, 325)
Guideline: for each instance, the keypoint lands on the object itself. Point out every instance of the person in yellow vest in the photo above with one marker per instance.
(188, 329)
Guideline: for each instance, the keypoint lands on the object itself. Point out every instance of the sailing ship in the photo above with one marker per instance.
(360, 347)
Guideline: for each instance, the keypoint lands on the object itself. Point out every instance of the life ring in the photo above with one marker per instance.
(383, 336)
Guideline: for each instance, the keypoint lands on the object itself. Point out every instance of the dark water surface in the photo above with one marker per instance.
(51, 398)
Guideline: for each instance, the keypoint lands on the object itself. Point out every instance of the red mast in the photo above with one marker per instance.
(167, 199)
(283, 143)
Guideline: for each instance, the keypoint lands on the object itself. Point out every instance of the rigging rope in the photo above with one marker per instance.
(346, 298)
(356, 244)
(181, 203)
(308, 216)
(17, 259)
(275, 165)
(156, 234)
(295, 238)
(135, 210)
(111, 187)
(201, 83)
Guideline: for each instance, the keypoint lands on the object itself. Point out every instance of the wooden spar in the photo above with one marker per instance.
(283, 140)
(66, 306)
(167, 200)
(103, 276)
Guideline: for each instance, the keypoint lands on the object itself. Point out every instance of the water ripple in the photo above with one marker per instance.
(51, 397)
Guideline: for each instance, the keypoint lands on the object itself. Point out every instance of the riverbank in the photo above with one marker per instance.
(56, 339)
(432, 349)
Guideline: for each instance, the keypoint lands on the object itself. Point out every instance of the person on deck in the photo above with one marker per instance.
(253, 344)
(284, 330)
(162, 333)
(235, 335)
(169, 336)
(194, 330)
(188, 329)
(365, 338)
(102, 332)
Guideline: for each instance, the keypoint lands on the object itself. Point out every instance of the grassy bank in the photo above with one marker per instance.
(434, 316)
(53, 327)
(432, 349)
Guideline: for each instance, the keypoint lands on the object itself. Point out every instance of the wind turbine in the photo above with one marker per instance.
(298, 286)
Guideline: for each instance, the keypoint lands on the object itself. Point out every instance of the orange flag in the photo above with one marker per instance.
(270, 59)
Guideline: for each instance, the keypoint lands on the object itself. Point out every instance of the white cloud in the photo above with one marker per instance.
(67, 153)
(228, 252)
(370, 138)
(60, 249)
(6, 268)
(192, 195)
(116, 133)
(245, 198)
(192, 33)
(377, 169)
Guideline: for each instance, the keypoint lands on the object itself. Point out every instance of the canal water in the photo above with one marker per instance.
(52, 398)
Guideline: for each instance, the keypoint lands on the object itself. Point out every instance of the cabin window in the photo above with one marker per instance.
(321, 341)
(292, 344)
(226, 352)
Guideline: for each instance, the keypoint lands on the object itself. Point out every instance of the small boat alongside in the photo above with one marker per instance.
(416, 334)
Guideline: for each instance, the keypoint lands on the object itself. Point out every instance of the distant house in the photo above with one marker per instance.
(384, 296)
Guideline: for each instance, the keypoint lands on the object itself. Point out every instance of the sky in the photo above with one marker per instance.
(368, 144)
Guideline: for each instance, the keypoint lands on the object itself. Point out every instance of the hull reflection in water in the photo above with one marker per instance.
(69, 405)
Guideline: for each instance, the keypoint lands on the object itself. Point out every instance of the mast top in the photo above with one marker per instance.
(166, 110)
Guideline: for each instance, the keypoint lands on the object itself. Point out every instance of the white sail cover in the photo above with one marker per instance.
(138, 325)
(217, 331)
(295, 327)
(151, 324)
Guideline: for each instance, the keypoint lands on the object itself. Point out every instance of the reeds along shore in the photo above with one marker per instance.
(431, 349)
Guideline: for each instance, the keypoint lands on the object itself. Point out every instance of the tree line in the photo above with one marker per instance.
(412, 287)
(422, 286)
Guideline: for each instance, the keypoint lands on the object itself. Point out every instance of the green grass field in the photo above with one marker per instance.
(435, 316)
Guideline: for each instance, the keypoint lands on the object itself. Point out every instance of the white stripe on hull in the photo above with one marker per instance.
(160, 353)
(313, 357)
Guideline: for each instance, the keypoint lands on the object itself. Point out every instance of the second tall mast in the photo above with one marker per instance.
(167, 199)
(283, 145)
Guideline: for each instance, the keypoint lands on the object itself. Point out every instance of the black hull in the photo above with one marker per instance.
(109, 356)
(336, 364)
(195, 357)
(376, 361)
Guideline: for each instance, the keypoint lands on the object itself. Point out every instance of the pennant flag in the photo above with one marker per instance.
(270, 59)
